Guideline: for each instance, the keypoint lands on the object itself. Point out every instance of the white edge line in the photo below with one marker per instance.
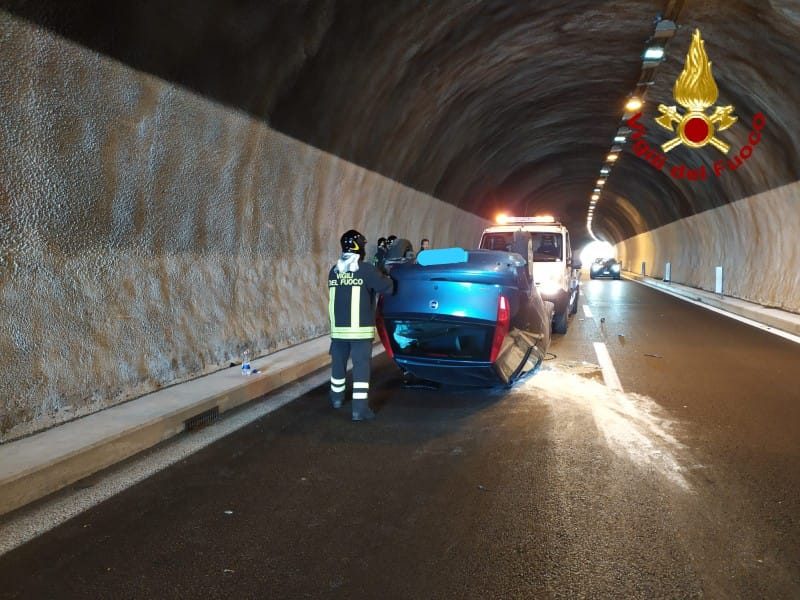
(758, 325)
(610, 376)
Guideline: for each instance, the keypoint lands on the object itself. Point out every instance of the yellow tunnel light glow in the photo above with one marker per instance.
(612, 157)
(633, 104)
(601, 181)
(595, 196)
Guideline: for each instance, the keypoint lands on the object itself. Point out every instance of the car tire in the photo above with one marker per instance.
(591, 276)
(560, 321)
(574, 308)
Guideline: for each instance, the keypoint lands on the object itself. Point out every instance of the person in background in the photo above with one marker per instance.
(424, 244)
(352, 287)
(380, 254)
(389, 241)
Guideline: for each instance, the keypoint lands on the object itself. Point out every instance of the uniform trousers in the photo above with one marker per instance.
(361, 353)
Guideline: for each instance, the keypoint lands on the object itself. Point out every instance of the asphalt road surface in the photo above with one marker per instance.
(683, 483)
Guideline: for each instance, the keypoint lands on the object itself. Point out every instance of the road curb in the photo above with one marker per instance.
(36, 466)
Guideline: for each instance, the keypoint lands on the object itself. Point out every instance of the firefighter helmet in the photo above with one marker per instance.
(354, 242)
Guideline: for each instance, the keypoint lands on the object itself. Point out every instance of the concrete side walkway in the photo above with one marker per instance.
(769, 317)
(33, 467)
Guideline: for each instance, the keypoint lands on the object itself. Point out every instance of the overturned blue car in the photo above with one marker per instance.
(465, 318)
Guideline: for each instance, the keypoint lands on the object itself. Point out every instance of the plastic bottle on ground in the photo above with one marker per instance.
(246, 370)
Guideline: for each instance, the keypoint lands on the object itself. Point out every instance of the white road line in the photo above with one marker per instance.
(768, 328)
(610, 376)
(588, 311)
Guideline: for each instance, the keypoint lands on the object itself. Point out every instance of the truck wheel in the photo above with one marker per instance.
(560, 320)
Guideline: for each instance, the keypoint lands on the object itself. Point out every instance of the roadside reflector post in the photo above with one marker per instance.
(644, 268)
(718, 280)
(668, 272)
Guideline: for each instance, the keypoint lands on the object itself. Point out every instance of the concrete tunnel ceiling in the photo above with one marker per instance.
(487, 105)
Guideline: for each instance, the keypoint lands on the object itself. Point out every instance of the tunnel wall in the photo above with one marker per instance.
(148, 234)
(754, 240)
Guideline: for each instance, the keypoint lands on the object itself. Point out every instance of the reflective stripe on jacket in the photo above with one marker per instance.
(351, 301)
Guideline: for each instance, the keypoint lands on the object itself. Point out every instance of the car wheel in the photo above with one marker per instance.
(560, 321)
(574, 308)
(591, 276)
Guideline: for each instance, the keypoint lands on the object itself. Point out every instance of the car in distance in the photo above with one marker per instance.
(465, 318)
(605, 267)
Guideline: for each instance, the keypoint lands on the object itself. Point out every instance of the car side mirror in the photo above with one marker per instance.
(576, 263)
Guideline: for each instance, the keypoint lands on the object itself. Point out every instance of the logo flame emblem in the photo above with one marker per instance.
(695, 90)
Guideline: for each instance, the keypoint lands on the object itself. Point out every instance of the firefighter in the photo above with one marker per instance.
(352, 287)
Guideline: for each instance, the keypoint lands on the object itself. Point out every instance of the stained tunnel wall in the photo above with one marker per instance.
(754, 240)
(148, 234)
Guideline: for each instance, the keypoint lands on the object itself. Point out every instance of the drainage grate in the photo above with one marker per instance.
(204, 419)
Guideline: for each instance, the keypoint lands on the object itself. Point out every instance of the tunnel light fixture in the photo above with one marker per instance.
(633, 104)
(619, 139)
(653, 54)
(595, 197)
(665, 29)
(601, 181)
(597, 190)
(605, 171)
(612, 157)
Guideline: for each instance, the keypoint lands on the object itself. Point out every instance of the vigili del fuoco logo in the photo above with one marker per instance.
(695, 91)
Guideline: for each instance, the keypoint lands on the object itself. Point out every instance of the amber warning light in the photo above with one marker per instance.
(503, 219)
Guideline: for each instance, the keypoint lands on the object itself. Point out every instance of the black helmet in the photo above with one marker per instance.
(354, 242)
(381, 242)
(391, 239)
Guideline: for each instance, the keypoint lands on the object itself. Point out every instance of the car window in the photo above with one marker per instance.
(498, 241)
(547, 246)
(442, 339)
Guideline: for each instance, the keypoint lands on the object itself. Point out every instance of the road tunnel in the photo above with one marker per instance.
(176, 175)
(187, 161)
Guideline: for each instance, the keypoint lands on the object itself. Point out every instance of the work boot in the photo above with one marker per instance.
(362, 411)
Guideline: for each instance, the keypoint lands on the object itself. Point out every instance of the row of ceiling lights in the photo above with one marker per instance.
(651, 58)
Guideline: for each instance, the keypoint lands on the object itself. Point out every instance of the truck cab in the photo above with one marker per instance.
(545, 244)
